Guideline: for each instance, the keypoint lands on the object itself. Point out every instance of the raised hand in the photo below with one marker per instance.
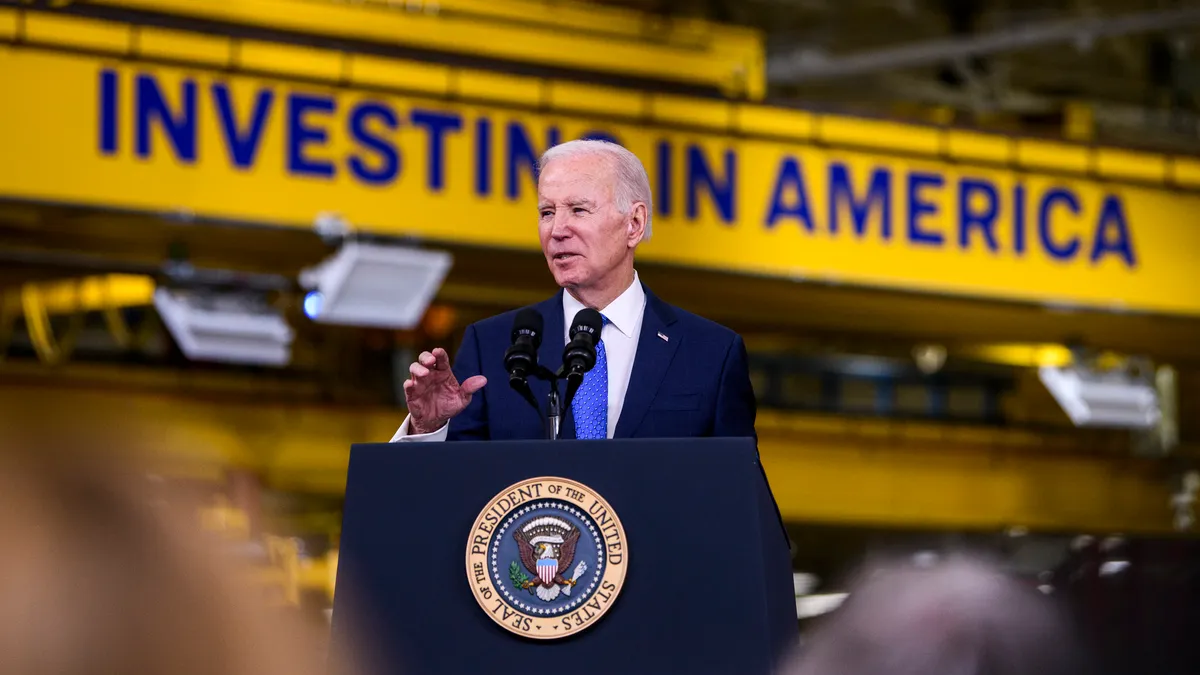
(433, 394)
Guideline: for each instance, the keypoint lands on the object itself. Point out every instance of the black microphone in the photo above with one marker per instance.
(580, 353)
(521, 358)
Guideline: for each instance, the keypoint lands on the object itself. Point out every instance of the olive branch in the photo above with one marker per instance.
(518, 577)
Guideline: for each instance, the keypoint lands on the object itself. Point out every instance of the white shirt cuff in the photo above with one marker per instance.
(404, 433)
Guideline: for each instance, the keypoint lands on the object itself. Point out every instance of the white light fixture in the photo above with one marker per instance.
(374, 285)
(803, 583)
(808, 606)
(225, 327)
(1113, 400)
(1111, 567)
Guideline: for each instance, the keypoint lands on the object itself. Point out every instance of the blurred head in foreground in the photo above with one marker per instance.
(98, 578)
(960, 617)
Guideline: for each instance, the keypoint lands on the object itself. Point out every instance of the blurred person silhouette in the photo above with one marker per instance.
(101, 577)
(961, 616)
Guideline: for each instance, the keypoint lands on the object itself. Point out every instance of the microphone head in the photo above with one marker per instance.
(589, 321)
(529, 323)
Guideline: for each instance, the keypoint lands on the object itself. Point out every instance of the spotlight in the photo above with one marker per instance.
(312, 304)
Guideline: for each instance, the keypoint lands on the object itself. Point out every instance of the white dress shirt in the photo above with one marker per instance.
(620, 337)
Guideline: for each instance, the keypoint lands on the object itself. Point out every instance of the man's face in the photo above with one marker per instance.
(584, 236)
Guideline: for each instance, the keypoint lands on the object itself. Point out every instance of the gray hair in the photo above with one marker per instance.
(633, 185)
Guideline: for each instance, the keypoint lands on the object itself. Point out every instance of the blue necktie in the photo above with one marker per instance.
(591, 400)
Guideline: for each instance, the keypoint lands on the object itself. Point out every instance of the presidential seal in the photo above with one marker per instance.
(546, 558)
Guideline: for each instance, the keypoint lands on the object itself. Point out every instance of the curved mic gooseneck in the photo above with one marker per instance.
(579, 356)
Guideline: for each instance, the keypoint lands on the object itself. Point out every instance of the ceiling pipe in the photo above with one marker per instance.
(805, 65)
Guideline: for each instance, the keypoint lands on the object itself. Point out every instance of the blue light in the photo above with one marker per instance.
(312, 304)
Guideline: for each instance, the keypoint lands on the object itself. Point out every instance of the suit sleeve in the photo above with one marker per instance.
(471, 424)
(736, 407)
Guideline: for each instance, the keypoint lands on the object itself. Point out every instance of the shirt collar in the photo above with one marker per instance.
(622, 313)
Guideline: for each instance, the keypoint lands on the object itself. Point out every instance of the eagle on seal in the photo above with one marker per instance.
(547, 549)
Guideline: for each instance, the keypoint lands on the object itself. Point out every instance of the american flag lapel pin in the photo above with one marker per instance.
(664, 337)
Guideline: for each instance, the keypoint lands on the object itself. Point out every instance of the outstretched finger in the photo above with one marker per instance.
(442, 359)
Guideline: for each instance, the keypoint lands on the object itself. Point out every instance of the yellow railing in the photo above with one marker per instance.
(38, 301)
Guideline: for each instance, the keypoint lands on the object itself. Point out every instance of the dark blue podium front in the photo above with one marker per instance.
(708, 587)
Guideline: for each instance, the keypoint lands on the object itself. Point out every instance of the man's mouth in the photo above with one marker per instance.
(564, 256)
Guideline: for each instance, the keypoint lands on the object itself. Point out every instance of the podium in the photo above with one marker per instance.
(706, 579)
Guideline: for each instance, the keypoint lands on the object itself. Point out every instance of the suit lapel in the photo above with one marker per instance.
(654, 354)
(551, 351)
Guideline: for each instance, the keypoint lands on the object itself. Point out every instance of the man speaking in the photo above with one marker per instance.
(659, 371)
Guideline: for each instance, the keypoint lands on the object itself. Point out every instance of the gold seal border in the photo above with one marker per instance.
(541, 627)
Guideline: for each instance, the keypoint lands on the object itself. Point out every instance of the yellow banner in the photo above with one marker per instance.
(120, 134)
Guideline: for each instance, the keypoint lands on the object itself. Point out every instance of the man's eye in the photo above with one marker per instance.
(579, 210)
(546, 212)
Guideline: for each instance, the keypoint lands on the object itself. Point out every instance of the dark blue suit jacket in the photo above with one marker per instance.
(694, 383)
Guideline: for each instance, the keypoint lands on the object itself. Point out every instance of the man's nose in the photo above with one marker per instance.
(561, 228)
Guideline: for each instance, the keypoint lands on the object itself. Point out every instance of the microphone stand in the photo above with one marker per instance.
(552, 413)
(555, 409)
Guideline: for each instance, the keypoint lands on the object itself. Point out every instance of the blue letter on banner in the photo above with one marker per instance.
(436, 124)
(1112, 218)
(666, 180)
(242, 145)
(151, 106)
(723, 193)
(108, 111)
(1019, 219)
(360, 131)
(300, 135)
(483, 157)
(789, 178)
(918, 208)
(970, 219)
(1068, 198)
(880, 190)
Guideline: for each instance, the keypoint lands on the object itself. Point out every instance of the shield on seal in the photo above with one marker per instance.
(547, 568)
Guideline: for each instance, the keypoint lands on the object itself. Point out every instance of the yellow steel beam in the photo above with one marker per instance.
(822, 469)
(599, 41)
(573, 98)
(882, 473)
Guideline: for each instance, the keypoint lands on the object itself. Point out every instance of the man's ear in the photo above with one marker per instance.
(636, 224)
